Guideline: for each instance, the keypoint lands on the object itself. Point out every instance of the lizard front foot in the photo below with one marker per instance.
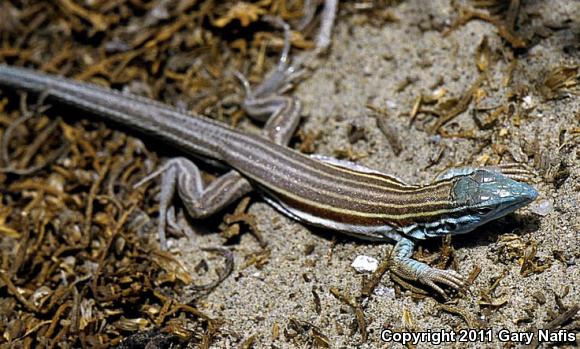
(409, 269)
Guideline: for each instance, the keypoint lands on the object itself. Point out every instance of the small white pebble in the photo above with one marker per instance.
(383, 291)
(365, 264)
(542, 208)
(528, 102)
(368, 70)
(171, 243)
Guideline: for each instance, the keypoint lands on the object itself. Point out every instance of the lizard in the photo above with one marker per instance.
(315, 190)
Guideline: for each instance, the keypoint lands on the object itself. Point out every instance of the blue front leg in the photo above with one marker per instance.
(407, 268)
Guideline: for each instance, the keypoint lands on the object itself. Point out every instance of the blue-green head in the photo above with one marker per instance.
(479, 197)
(487, 195)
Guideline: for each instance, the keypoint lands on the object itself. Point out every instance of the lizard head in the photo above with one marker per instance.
(479, 197)
(487, 195)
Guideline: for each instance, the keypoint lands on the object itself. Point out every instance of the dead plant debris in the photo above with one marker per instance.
(78, 270)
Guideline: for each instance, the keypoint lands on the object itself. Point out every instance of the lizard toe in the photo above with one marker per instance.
(449, 278)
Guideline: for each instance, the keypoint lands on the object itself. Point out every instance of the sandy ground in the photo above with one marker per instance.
(367, 65)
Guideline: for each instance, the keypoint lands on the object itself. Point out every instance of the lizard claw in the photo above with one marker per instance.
(432, 276)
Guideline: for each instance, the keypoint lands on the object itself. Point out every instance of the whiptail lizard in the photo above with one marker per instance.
(318, 191)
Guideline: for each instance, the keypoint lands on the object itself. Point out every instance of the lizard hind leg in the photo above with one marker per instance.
(266, 101)
(180, 175)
